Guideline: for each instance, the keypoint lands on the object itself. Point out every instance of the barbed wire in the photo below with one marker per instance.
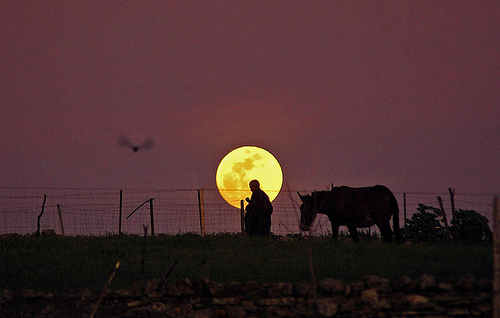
(95, 210)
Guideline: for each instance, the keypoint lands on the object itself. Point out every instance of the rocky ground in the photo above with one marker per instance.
(373, 297)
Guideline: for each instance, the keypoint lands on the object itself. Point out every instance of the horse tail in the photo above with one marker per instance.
(395, 219)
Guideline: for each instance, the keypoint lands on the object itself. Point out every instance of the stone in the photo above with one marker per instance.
(233, 288)
(371, 297)
(282, 313)
(286, 301)
(326, 307)
(405, 284)
(220, 312)
(459, 312)
(449, 299)
(331, 286)
(485, 285)
(445, 286)
(380, 283)
(249, 306)
(28, 293)
(303, 313)
(5, 296)
(236, 312)
(151, 287)
(420, 298)
(181, 288)
(305, 290)
(135, 303)
(225, 301)
(356, 288)
(159, 306)
(426, 281)
(280, 290)
(253, 289)
(48, 309)
(214, 289)
(467, 282)
(417, 300)
(203, 313)
(486, 308)
(176, 311)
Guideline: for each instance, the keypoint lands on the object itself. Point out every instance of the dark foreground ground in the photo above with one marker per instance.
(373, 296)
(234, 276)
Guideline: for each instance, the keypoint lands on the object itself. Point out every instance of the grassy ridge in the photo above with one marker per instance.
(61, 263)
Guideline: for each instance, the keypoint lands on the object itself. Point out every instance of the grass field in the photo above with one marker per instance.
(62, 263)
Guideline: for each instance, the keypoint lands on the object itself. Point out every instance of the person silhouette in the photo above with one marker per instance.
(258, 212)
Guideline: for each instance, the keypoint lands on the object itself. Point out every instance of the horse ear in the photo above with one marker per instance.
(300, 196)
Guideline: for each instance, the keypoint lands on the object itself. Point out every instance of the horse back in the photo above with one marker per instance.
(360, 207)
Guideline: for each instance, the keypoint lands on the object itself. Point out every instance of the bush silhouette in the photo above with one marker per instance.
(470, 226)
(427, 225)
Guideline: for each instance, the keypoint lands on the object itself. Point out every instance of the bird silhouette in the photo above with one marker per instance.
(125, 142)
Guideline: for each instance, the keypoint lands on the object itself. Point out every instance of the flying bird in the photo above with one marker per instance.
(125, 142)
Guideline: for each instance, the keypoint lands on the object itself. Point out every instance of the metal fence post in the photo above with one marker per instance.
(152, 217)
(242, 214)
(120, 217)
(496, 259)
(201, 208)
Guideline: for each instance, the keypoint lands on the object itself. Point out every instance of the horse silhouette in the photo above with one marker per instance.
(354, 208)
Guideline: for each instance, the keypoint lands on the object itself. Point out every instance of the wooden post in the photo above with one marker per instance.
(120, 216)
(60, 219)
(152, 217)
(201, 208)
(445, 219)
(452, 200)
(496, 259)
(143, 254)
(40, 215)
(103, 292)
(404, 207)
(314, 286)
(242, 213)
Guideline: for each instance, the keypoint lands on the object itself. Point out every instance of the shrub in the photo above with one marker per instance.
(426, 225)
(470, 226)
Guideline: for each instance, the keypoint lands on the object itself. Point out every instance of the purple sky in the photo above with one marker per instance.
(401, 93)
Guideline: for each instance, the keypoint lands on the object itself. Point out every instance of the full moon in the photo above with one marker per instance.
(243, 165)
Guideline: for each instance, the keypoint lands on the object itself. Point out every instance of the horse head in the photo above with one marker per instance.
(308, 211)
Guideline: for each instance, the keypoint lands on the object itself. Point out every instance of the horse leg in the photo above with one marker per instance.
(386, 232)
(354, 233)
(335, 231)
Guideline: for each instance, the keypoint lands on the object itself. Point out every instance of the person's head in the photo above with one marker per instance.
(254, 185)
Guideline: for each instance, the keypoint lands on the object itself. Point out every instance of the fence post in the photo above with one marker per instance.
(452, 199)
(40, 215)
(120, 217)
(201, 208)
(152, 217)
(404, 208)
(60, 219)
(496, 259)
(242, 215)
(445, 219)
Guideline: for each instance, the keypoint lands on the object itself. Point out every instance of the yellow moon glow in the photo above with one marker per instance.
(243, 165)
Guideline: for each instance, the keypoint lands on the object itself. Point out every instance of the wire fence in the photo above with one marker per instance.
(176, 211)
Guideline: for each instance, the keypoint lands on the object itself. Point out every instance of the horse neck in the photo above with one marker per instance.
(320, 201)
